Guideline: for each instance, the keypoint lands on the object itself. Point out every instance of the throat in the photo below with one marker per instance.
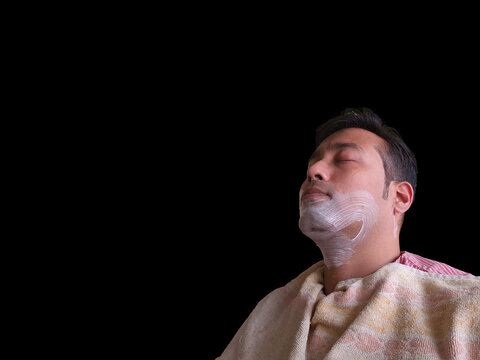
(362, 264)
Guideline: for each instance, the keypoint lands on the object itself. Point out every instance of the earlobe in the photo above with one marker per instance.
(403, 197)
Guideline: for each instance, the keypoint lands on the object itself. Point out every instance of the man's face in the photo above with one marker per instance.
(341, 201)
(345, 162)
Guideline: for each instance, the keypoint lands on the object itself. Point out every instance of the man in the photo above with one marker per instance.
(366, 299)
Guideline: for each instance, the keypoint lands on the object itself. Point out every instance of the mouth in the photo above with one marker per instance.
(314, 194)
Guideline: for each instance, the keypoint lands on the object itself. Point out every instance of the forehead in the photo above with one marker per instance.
(366, 141)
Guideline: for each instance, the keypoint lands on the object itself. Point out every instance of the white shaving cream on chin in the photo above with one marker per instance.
(338, 224)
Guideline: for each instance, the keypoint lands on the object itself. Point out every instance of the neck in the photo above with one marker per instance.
(362, 263)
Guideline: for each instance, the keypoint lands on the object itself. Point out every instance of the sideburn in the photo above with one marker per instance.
(388, 168)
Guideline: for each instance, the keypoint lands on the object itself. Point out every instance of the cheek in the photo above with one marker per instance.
(371, 181)
(304, 184)
(357, 181)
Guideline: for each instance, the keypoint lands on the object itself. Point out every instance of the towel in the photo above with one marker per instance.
(398, 312)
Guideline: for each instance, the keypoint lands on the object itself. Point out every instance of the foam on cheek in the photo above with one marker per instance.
(329, 224)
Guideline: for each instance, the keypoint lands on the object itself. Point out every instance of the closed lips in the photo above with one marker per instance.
(314, 192)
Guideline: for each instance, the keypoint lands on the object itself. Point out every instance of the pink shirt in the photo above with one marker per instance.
(427, 265)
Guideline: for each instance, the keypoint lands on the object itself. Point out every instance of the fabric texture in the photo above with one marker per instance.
(399, 312)
(428, 265)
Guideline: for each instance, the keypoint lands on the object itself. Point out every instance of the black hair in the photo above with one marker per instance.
(398, 160)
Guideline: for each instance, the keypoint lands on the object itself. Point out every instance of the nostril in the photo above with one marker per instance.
(316, 177)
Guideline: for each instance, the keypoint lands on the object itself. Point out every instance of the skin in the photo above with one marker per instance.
(348, 161)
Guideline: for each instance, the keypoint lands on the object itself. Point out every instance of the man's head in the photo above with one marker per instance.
(360, 181)
(399, 162)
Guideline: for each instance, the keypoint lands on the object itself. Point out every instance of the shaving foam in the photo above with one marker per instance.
(338, 224)
(395, 227)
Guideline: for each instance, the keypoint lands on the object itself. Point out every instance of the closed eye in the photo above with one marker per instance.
(346, 162)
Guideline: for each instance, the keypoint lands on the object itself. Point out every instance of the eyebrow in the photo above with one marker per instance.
(336, 147)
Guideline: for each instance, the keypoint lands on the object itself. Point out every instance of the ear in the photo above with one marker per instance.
(403, 197)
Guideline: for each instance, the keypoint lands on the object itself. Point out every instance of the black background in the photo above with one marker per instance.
(218, 118)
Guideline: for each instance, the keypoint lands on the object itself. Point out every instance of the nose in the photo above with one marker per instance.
(317, 172)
